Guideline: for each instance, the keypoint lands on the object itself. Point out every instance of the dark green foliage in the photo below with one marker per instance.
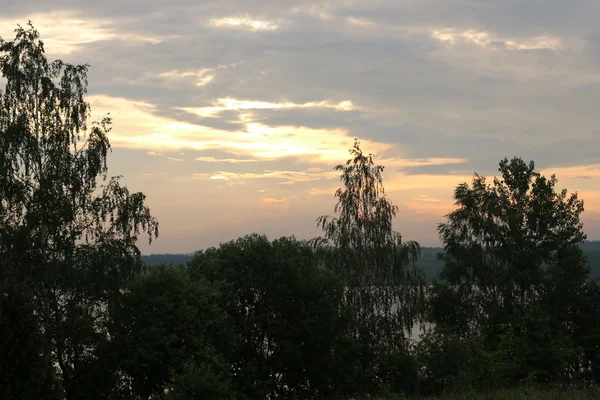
(384, 289)
(174, 259)
(587, 330)
(400, 373)
(27, 370)
(68, 240)
(448, 363)
(285, 311)
(502, 236)
(163, 331)
(202, 381)
(514, 275)
(529, 392)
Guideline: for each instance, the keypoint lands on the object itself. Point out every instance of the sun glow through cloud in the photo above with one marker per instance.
(245, 23)
(137, 126)
(224, 160)
(454, 36)
(64, 32)
(407, 163)
(360, 22)
(229, 104)
(283, 177)
(203, 77)
(426, 198)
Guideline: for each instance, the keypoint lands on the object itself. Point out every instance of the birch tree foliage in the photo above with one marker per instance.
(66, 229)
(384, 287)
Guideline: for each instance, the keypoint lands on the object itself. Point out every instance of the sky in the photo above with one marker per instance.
(230, 115)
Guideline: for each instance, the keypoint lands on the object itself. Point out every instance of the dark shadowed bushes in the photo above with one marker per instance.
(165, 332)
(285, 312)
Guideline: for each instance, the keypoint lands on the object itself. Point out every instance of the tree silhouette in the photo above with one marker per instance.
(69, 239)
(384, 289)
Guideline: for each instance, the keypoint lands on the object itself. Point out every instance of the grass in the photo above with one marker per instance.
(529, 394)
(521, 394)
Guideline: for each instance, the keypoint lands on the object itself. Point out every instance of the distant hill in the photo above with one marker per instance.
(592, 251)
(176, 259)
(428, 261)
(433, 267)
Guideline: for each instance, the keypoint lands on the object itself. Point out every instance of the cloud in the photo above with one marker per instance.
(322, 191)
(589, 171)
(154, 174)
(400, 182)
(411, 163)
(453, 36)
(203, 77)
(224, 160)
(283, 177)
(321, 11)
(277, 208)
(245, 23)
(138, 126)
(64, 32)
(426, 198)
(360, 22)
(254, 89)
(275, 201)
(229, 104)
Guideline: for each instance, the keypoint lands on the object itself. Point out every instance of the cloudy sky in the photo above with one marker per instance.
(230, 115)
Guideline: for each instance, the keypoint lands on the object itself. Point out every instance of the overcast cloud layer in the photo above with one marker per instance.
(230, 115)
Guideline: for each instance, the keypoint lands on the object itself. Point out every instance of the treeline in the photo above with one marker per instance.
(82, 317)
(428, 260)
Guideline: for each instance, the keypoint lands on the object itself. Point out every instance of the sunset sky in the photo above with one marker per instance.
(230, 115)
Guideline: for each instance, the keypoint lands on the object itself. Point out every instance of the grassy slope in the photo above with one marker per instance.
(521, 394)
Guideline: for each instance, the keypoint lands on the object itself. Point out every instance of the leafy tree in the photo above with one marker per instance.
(384, 289)
(513, 263)
(26, 368)
(587, 331)
(285, 312)
(66, 239)
(163, 331)
(202, 381)
(449, 364)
